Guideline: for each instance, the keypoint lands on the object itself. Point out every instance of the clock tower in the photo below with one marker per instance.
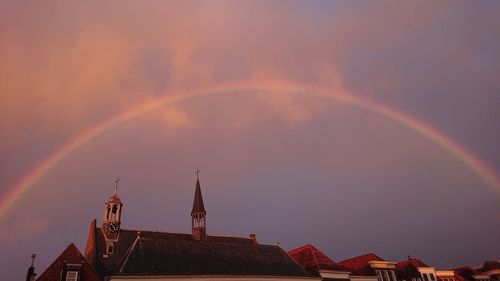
(112, 219)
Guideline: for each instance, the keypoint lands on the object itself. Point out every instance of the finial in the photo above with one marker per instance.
(116, 185)
(197, 174)
(279, 244)
(409, 258)
(33, 256)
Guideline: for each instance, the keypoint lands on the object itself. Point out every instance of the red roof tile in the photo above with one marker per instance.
(407, 269)
(71, 255)
(313, 260)
(360, 265)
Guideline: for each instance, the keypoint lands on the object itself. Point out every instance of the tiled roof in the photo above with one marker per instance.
(465, 273)
(313, 260)
(198, 206)
(70, 255)
(407, 269)
(161, 253)
(490, 265)
(413, 261)
(360, 265)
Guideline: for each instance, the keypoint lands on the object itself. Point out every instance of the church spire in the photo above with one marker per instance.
(198, 212)
(198, 206)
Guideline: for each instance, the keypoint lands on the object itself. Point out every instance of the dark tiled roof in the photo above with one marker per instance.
(70, 255)
(407, 269)
(413, 261)
(161, 253)
(360, 265)
(198, 206)
(313, 260)
(465, 273)
(490, 265)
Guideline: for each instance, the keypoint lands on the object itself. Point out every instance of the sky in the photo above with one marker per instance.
(353, 126)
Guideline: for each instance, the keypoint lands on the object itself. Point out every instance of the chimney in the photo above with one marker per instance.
(254, 238)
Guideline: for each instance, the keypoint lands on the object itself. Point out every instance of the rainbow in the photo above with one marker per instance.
(277, 87)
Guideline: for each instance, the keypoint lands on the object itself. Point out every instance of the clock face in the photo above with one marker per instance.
(113, 227)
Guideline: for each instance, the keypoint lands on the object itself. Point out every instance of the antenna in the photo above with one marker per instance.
(33, 256)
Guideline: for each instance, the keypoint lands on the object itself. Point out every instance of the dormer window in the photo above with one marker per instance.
(71, 272)
(72, 276)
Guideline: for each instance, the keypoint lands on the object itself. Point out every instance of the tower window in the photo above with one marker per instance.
(110, 249)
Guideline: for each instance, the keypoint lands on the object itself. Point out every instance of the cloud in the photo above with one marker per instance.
(176, 118)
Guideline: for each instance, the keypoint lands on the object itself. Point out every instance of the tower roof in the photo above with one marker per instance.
(114, 197)
(198, 206)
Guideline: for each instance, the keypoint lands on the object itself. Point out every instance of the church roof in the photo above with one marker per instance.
(71, 255)
(360, 265)
(162, 253)
(198, 206)
(313, 260)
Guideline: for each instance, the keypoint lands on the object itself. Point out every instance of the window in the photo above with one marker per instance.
(425, 277)
(72, 276)
(110, 249)
(386, 276)
(432, 277)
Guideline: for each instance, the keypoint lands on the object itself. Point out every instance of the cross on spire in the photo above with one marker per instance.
(197, 174)
(116, 184)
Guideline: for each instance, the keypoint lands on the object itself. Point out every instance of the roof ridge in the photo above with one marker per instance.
(300, 248)
(222, 235)
(62, 253)
(314, 256)
(360, 256)
(155, 231)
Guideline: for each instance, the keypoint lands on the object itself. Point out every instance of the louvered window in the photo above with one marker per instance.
(72, 276)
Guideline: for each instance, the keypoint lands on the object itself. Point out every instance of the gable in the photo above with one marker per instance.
(69, 259)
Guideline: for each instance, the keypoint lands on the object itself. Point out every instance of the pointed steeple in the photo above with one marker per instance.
(198, 206)
(198, 213)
